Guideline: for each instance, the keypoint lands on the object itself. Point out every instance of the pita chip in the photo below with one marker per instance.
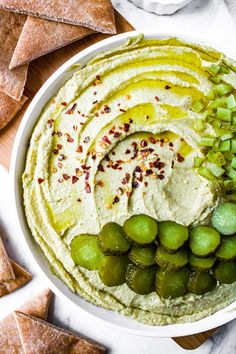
(21, 278)
(9, 337)
(40, 37)
(6, 268)
(38, 336)
(9, 108)
(95, 14)
(12, 82)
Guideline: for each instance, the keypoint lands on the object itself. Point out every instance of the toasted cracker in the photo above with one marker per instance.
(95, 14)
(40, 37)
(9, 337)
(12, 82)
(22, 277)
(6, 268)
(38, 336)
(9, 108)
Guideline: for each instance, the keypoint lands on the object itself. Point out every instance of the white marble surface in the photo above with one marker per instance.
(211, 20)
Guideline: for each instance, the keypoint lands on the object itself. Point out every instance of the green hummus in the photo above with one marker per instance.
(129, 108)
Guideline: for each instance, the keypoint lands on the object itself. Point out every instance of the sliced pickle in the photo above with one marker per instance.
(172, 235)
(227, 249)
(172, 261)
(141, 229)
(112, 241)
(141, 280)
(201, 283)
(204, 240)
(112, 270)
(200, 263)
(143, 257)
(170, 284)
(225, 272)
(85, 251)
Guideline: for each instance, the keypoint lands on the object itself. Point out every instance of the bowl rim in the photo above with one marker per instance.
(26, 127)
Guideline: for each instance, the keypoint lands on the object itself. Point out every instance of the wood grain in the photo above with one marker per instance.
(39, 71)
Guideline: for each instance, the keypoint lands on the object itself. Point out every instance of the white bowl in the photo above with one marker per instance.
(161, 7)
(17, 166)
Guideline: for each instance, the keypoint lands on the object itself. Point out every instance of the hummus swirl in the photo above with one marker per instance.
(118, 139)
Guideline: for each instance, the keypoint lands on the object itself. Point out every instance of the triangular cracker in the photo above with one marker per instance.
(12, 82)
(21, 278)
(38, 336)
(40, 37)
(6, 268)
(95, 14)
(9, 108)
(9, 337)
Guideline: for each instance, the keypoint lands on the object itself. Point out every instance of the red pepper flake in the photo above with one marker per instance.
(157, 98)
(87, 187)
(172, 164)
(161, 176)
(59, 165)
(86, 139)
(117, 135)
(116, 200)
(138, 169)
(128, 151)
(152, 140)
(143, 143)
(135, 184)
(74, 179)
(85, 167)
(40, 180)
(149, 172)
(122, 110)
(49, 123)
(113, 153)
(59, 134)
(159, 165)
(87, 174)
(180, 158)
(65, 176)
(64, 104)
(95, 92)
(98, 77)
(94, 102)
(55, 151)
(126, 179)
(70, 140)
(167, 87)
(79, 148)
(71, 110)
(126, 127)
(61, 157)
(107, 109)
(75, 127)
(79, 200)
(106, 140)
(145, 184)
(171, 144)
(131, 121)
(101, 168)
(107, 158)
(59, 146)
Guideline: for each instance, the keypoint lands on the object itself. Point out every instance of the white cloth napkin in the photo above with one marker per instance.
(232, 8)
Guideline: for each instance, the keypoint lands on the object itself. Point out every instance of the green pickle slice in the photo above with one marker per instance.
(200, 263)
(201, 283)
(85, 251)
(111, 239)
(227, 249)
(204, 240)
(171, 284)
(172, 235)
(141, 280)
(172, 261)
(141, 229)
(225, 272)
(143, 257)
(112, 270)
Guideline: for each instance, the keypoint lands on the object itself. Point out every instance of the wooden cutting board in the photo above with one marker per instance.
(39, 72)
